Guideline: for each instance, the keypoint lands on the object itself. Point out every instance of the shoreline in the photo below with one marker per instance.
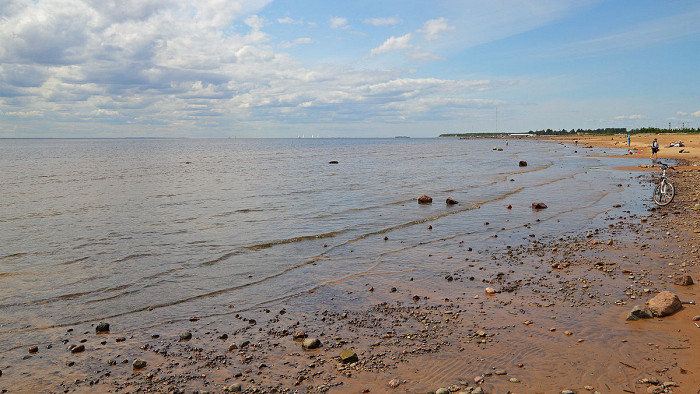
(556, 322)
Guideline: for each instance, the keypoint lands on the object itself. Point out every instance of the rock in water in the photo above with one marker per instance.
(138, 364)
(451, 201)
(425, 199)
(539, 205)
(686, 280)
(102, 327)
(664, 304)
(348, 356)
(640, 312)
(522, 163)
(333, 162)
(311, 343)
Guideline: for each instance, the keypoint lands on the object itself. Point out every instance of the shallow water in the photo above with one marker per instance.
(108, 229)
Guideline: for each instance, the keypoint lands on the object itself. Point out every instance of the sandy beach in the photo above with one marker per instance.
(550, 318)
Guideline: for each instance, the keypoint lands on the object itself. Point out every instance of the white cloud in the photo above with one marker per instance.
(298, 41)
(393, 44)
(338, 22)
(434, 28)
(695, 114)
(622, 117)
(382, 21)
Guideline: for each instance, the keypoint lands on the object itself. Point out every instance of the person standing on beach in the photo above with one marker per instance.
(628, 140)
(655, 149)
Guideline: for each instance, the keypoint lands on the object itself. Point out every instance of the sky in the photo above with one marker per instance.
(332, 68)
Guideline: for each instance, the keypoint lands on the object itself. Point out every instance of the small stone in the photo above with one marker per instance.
(33, 349)
(311, 343)
(139, 364)
(539, 205)
(78, 349)
(478, 379)
(568, 333)
(348, 356)
(234, 387)
(568, 392)
(185, 336)
(478, 390)
(120, 339)
(500, 372)
(696, 318)
(509, 206)
(442, 390)
(514, 380)
(522, 163)
(490, 290)
(451, 201)
(102, 327)
(589, 388)
(640, 312)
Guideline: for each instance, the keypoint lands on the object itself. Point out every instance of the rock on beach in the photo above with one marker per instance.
(640, 312)
(539, 205)
(311, 343)
(102, 327)
(664, 304)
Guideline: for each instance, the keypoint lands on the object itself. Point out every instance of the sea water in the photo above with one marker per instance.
(141, 232)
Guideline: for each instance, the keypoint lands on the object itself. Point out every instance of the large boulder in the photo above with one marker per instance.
(664, 304)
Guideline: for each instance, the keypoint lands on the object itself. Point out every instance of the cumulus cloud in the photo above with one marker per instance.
(176, 65)
(338, 22)
(434, 28)
(695, 114)
(393, 44)
(382, 21)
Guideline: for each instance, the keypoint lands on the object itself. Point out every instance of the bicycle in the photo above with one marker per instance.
(664, 191)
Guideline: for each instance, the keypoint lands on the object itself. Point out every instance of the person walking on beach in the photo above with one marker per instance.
(655, 149)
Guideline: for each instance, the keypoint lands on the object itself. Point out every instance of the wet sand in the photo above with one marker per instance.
(555, 322)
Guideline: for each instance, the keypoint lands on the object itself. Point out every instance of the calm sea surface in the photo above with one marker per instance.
(95, 230)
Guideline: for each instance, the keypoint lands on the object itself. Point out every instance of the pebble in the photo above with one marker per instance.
(514, 380)
(500, 372)
(442, 390)
(696, 318)
(234, 387)
(478, 390)
(33, 349)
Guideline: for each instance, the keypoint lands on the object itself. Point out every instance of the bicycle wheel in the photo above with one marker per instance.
(664, 193)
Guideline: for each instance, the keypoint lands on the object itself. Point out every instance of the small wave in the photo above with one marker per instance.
(133, 256)
(293, 240)
(13, 256)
